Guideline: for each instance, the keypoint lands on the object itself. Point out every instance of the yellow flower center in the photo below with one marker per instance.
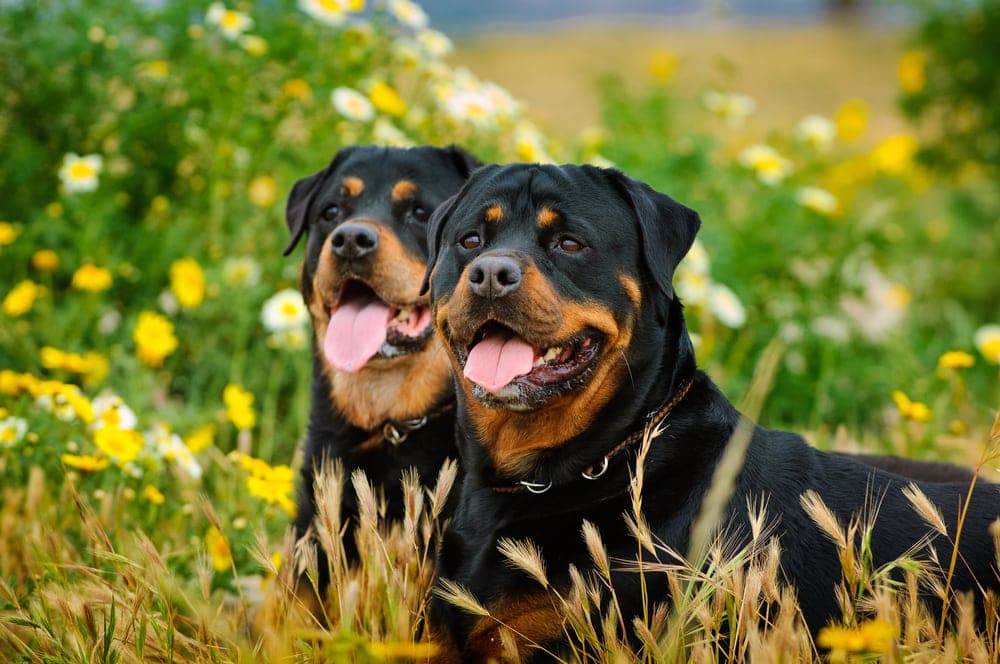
(230, 19)
(81, 170)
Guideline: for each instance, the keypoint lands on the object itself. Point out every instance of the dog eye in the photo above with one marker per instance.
(568, 244)
(331, 212)
(471, 241)
(421, 214)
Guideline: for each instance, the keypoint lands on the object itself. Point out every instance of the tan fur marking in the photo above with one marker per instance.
(632, 291)
(547, 216)
(494, 213)
(515, 438)
(353, 185)
(397, 389)
(533, 620)
(403, 190)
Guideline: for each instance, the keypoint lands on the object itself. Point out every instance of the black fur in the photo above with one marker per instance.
(631, 229)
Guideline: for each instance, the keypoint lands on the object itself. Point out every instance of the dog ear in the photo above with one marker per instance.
(465, 163)
(666, 228)
(303, 193)
(435, 227)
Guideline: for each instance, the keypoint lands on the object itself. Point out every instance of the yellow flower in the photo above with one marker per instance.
(663, 65)
(275, 484)
(8, 233)
(956, 359)
(386, 100)
(254, 45)
(263, 191)
(154, 338)
(913, 410)
(239, 407)
(54, 210)
(987, 340)
(153, 495)
(121, 445)
(45, 260)
(200, 439)
(89, 277)
(851, 119)
(187, 282)
(156, 69)
(894, 155)
(912, 71)
(218, 550)
(84, 462)
(296, 88)
(21, 298)
(874, 636)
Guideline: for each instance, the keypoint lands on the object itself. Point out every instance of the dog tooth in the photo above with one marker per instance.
(552, 353)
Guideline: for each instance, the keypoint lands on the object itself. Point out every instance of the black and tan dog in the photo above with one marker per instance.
(551, 287)
(381, 386)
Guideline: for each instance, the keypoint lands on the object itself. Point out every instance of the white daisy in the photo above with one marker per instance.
(434, 43)
(284, 310)
(231, 23)
(817, 131)
(80, 173)
(386, 133)
(731, 107)
(408, 13)
(352, 104)
(328, 12)
(818, 200)
(241, 271)
(111, 410)
(12, 431)
(770, 167)
(725, 306)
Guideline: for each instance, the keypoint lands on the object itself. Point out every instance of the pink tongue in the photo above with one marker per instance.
(356, 332)
(497, 360)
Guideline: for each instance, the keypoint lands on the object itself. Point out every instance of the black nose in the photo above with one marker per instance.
(353, 241)
(494, 276)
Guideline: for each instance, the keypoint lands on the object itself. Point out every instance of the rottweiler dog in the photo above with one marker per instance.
(552, 290)
(382, 395)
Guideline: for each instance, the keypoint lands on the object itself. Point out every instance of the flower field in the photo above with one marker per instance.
(154, 348)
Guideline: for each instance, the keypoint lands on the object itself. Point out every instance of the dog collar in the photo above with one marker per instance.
(598, 468)
(395, 432)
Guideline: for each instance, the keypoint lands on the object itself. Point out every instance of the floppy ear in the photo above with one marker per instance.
(666, 228)
(303, 192)
(435, 227)
(464, 162)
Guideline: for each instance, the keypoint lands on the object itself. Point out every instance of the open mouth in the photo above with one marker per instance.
(504, 367)
(364, 327)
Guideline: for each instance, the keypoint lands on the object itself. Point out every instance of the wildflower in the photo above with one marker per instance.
(254, 45)
(530, 144)
(408, 13)
(386, 133)
(816, 131)
(692, 285)
(218, 550)
(725, 306)
(45, 260)
(352, 104)
(731, 107)
(8, 233)
(292, 339)
(110, 410)
(956, 359)
(874, 636)
(120, 445)
(663, 65)
(770, 167)
(93, 367)
(987, 340)
(200, 439)
(79, 174)
(894, 155)
(239, 407)
(818, 200)
(474, 106)
(296, 88)
(241, 271)
(21, 298)
(284, 310)
(12, 431)
(187, 282)
(170, 447)
(851, 119)
(274, 484)
(434, 43)
(156, 70)
(54, 210)
(912, 410)
(153, 495)
(154, 338)
(912, 71)
(89, 277)
(230, 22)
(386, 100)
(84, 462)
(263, 191)
(330, 12)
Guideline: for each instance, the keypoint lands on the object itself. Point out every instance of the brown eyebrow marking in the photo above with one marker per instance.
(403, 190)
(354, 185)
(547, 216)
(494, 213)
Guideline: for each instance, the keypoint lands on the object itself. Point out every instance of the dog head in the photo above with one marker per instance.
(547, 283)
(365, 217)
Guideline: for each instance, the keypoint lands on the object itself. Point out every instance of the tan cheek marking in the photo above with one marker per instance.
(403, 190)
(532, 620)
(353, 185)
(494, 213)
(547, 216)
(632, 291)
